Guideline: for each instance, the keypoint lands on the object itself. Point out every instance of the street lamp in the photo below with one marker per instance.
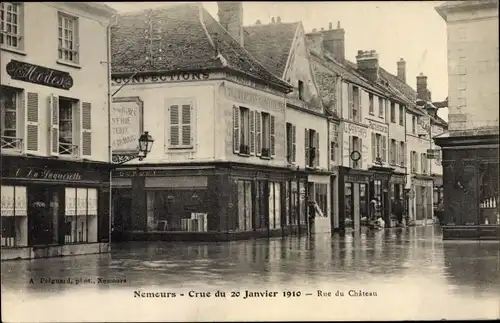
(145, 145)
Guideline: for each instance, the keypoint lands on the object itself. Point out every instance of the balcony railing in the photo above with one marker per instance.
(12, 143)
(68, 149)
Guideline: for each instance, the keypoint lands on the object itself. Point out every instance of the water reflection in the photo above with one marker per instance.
(408, 260)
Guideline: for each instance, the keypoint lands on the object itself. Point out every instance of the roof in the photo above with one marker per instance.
(184, 37)
(271, 44)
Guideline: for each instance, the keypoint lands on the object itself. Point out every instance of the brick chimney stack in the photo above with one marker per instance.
(315, 42)
(368, 64)
(231, 18)
(402, 70)
(334, 41)
(422, 92)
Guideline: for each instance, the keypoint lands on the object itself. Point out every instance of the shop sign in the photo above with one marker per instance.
(140, 173)
(378, 127)
(353, 178)
(126, 124)
(50, 174)
(355, 130)
(161, 78)
(36, 74)
(256, 99)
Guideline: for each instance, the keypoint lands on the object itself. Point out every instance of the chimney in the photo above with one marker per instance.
(402, 70)
(231, 18)
(315, 42)
(278, 19)
(368, 64)
(422, 92)
(272, 20)
(334, 41)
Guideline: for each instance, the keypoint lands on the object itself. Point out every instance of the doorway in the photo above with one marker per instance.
(43, 215)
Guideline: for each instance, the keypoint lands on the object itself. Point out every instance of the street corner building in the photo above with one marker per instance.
(225, 163)
(470, 146)
(53, 98)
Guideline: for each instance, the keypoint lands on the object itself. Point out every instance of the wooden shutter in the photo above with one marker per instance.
(350, 101)
(236, 129)
(384, 148)
(174, 126)
(374, 147)
(405, 155)
(294, 145)
(351, 149)
(360, 100)
(54, 124)
(396, 153)
(30, 103)
(86, 133)
(316, 144)
(306, 146)
(186, 120)
(272, 132)
(252, 132)
(258, 133)
(360, 161)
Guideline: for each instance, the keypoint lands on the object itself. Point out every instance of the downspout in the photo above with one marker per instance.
(110, 152)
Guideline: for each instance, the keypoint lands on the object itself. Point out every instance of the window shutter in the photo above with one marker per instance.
(174, 125)
(384, 148)
(294, 145)
(306, 146)
(30, 104)
(360, 161)
(350, 101)
(374, 147)
(272, 127)
(252, 132)
(54, 124)
(316, 143)
(186, 119)
(396, 153)
(405, 154)
(86, 128)
(258, 133)
(360, 100)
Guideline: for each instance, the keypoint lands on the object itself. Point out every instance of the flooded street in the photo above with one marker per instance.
(403, 273)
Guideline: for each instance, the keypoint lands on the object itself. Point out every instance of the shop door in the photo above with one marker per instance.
(122, 209)
(40, 220)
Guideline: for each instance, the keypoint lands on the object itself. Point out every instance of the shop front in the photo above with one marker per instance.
(397, 189)
(353, 197)
(423, 189)
(380, 191)
(53, 208)
(209, 202)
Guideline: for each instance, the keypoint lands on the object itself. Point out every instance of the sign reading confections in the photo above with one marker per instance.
(161, 78)
(126, 124)
(26, 72)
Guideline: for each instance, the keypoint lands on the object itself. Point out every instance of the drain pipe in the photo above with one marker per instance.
(110, 152)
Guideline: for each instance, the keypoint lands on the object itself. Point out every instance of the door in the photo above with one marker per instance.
(40, 220)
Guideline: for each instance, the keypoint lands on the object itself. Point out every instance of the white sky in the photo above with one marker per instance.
(395, 29)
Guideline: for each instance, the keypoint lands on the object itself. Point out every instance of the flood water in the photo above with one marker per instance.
(404, 273)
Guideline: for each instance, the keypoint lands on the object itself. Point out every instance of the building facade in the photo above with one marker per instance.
(219, 168)
(55, 172)
(470, 146)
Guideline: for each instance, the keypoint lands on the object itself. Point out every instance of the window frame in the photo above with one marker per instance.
(371, 104)
(393, 112)
(401, 115)
(180, 102)
(61, 49)
(19, 36)
(356, 104)
(12, 143)
(381, 106)
(413, 125)
(72, 148)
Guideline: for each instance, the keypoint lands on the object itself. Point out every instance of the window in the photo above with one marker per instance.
(321, 197)
(253, 133)
(80, 215)
(181, 126)
(402, 154)
(333, 152)
(68, 38)
(67, 127)
(14, 216)
(356, 145)
(311, 141)
(414, 162)
(291, 143)
(393, 112)
(381, 107)
(9, 105)
(11, 24)
(371, 108)
(393, 152)
(356, 98)
(301, 90)
(274, 205)
(413, 124)
(266, 134)
(401, 115)
(423, 161)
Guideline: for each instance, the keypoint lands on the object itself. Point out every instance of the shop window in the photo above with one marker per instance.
(14, 216)
(349, 205)
(9, 118)
(68, 38)
(274, 205)
(302, 203)
(260, 205)
(80, 215)
(363, 201)
(294, 203)
(11, 24)
(245, 205)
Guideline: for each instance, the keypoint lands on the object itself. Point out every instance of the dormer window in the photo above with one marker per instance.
(301, 90)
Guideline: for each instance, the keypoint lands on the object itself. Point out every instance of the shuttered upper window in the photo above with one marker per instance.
(180, 125)
(253, 133)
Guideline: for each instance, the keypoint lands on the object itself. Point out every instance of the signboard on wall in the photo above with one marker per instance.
(126, 124)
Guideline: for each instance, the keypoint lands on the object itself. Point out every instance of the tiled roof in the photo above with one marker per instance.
(184, 37)
(271, 44)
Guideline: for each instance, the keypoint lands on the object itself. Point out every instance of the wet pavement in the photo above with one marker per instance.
(396, 274)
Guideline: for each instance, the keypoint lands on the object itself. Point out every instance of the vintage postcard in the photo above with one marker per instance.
(249, 161)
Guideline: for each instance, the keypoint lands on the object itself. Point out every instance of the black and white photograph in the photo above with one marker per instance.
(249, 161)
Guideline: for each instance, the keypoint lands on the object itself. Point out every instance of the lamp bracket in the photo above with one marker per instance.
(119, 159)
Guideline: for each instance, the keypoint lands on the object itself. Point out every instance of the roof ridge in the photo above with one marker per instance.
(163, 7)
(271, 24)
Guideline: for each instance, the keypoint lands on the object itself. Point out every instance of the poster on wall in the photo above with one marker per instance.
(126, 124)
